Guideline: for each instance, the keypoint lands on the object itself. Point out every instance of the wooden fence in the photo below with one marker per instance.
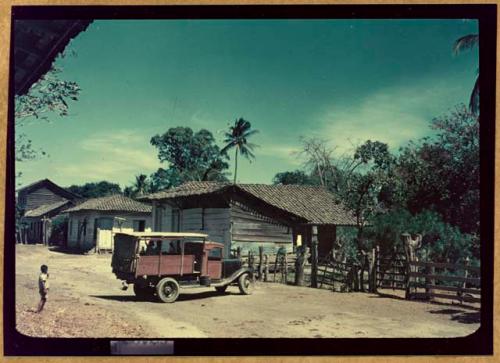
(420, 280)
(272, 267)
(460, 282)
(391, 270)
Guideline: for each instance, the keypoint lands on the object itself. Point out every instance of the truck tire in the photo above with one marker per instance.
(221, 289)
(245, 284)
(167, 290)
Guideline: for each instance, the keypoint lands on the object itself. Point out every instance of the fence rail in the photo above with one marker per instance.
(436, 280)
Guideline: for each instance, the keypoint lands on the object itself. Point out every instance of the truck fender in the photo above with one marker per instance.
(236, 274)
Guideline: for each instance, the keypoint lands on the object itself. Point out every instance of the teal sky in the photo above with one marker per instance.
(343, 80)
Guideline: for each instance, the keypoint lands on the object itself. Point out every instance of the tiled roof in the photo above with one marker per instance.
(187, 189)
(45, 209)
(314, 204)
(117, 202)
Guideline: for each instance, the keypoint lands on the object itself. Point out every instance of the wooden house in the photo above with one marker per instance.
(39, 203)
(92, 224)
(251, 215)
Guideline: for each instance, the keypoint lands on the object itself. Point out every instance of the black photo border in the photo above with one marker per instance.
(478, 343)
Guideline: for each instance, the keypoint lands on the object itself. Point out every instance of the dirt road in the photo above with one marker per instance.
(85, 300)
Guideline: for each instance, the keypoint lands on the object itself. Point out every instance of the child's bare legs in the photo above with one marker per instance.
(41, 304)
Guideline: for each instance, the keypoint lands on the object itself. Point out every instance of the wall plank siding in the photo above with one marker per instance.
(251, 230)
(40, 197)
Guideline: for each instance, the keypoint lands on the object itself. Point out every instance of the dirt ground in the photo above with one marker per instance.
(86, 300)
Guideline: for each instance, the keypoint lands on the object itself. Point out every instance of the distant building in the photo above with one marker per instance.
(92, 223)
(40, 202)
(251, 215)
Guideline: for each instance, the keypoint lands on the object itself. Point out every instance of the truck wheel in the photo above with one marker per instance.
(221, 289)
(167, 290)
(245, 284)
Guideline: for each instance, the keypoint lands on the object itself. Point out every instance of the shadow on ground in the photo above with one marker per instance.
(460, 316)
(464, 317)
(64, 250)
(181, 298)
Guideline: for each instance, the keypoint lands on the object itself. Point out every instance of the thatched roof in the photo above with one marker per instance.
(46, 209)
(115, 203)
(314, 204)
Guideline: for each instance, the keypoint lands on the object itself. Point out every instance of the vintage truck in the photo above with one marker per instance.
(160, 263)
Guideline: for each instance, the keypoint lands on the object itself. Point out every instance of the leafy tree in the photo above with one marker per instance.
(441, 241)
(165, 179)
(191, 156)
(468, 42)
(293, 177)
(95, 190)
(442, 173)
(48, 95)
(237, 138)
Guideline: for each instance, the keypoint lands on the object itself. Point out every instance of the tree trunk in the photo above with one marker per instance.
(235, 164)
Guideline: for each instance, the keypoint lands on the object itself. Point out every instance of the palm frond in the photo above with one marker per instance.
(465, 43)
(246, 153)
(474, 98)
(250, 133)
(251, 145)
(227, 147)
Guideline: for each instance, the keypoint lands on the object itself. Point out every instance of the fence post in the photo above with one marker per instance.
(466, 274)
(285, 269)
(355, 270)
(408, 281)
(372, 276)
(266, 267)
(432, 281)
(314, 256)
(275, 266)
(377, 267)
(250, 259)
(261, 265)
(427, 279)
(299, 266)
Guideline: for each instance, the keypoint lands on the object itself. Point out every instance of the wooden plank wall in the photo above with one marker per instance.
(40, 197)
(217, 224)
(250, 230)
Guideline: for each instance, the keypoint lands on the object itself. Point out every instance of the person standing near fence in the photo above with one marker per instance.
(43, 286)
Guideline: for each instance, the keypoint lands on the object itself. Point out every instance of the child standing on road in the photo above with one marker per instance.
(43, 286)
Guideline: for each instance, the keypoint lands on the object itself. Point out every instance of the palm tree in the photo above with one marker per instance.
(237, 138)
(141, 184)
(468, 42)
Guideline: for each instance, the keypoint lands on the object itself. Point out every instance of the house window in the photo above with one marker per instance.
(176, 220)
(139, 225)
(70, 227)
(106, 223)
